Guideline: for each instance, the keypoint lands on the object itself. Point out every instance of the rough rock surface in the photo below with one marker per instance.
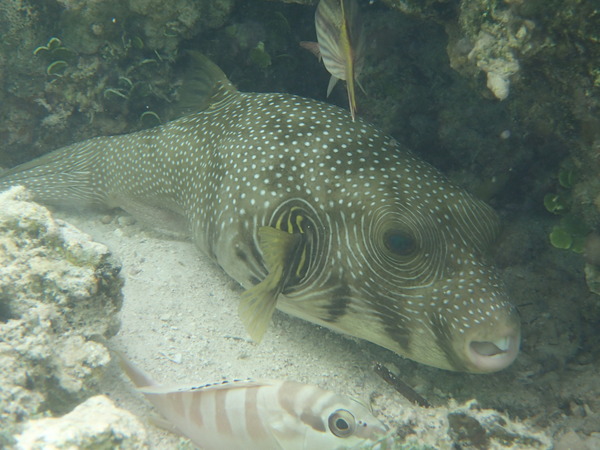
(100, 64)
(58, 290)
(96, 423)
(495, 43)
(467, 425)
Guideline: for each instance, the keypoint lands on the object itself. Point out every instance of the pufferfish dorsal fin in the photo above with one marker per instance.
(280, 251)
(204, 87)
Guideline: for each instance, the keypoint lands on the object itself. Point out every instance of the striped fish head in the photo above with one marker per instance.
(314, 418)
(347, 424)
(396, 257)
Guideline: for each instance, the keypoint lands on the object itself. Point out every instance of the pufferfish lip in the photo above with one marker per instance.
(491, 356)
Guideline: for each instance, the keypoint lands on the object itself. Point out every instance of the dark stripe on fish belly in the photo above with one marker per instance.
(398, 328)
(442, 335)
(338, 306)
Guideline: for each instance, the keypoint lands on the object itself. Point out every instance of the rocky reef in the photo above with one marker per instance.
(59, 294)
(90, 67)
(95, 423)
(540, 59)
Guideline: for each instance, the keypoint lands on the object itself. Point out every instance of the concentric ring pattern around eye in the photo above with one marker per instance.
(419, 265)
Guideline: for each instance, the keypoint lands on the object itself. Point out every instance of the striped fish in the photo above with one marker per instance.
(262, 415)
(341, 44)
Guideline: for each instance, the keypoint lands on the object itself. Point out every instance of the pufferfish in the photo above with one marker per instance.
(324, 218)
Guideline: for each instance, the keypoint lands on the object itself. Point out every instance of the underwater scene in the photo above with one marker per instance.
(300, 224)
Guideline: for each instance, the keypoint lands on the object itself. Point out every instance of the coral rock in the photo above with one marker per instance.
(58, 291)
(96, 423)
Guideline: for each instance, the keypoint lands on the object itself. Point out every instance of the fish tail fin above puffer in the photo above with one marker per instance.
(68, 176)
(205, 87)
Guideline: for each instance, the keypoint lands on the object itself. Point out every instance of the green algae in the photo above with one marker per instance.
(259, 56)
(572, 230)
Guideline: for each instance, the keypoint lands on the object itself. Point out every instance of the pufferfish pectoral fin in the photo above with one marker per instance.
(280, 251)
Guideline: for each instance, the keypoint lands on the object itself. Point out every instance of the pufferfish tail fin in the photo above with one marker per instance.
(205, 87)
(65, 177)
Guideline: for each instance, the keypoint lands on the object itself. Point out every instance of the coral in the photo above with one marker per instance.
(58, 292)
(465, 425)
(94, 424)
(540, 56)
(22, 29)
(435, 9)
(492, 37)
(107, 41)
(180, 19)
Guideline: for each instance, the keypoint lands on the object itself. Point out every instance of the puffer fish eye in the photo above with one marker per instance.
(399, 242)
(342, 423)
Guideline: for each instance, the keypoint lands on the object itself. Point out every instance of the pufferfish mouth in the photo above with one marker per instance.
(490, 356)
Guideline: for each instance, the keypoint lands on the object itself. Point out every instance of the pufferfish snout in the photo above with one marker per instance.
(466, 313)
(427, 302)
(481, 325)
(409, 267)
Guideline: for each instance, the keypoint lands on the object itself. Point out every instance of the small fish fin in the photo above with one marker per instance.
(341, 37)
(341, 42)
(140, 378)
(312, 47)
(204, 87)
(280, 431)
(332, 82)
(257, 304)
(329, 23)
(199, 388)
(351, 97)
(361, 86)
(164, 389)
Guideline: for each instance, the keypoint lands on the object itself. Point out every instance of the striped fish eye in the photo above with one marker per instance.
(342, 423)
(399, 242)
